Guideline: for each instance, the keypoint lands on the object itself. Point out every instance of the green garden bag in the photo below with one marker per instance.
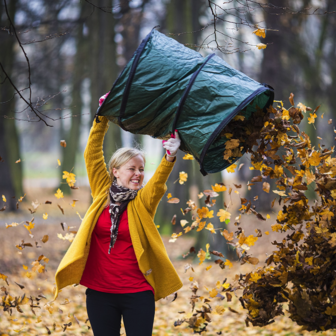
(167, 86)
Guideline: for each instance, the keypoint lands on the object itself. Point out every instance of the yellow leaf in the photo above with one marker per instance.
(268, 216)
(187, 229)
(239, 117)
(260, 32)
(280, 193)
(255, 277)
(4, 198)
(250, 240)
(228, 263)
(68, 236)
(183, 177)
(74, 203)
(205, 213)
(261, 46)
(4, 277)
(183, 222)
(226, 285)
(309, 176)
(276, 227)
(188, 157)
(59, 162)
(231, 169)
(210, 227)
(59, 194)
(191, 279)
(29, 226)
(231, 144)
(266, 233)
(218, 187)
(200, 195)
(200, 226)
(25, 267)
(45, 216)
(158, 226)
(223, 215)
(207, 269)
(70, 178)
(213, 293)
(169, 195)
(314, 159)
(201, 255)
(302, 107)
(219, 310)
(79, 215)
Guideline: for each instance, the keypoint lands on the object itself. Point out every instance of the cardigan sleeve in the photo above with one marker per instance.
(99, 177)
(156, 187)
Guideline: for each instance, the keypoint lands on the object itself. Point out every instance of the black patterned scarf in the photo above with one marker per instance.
(124, 196)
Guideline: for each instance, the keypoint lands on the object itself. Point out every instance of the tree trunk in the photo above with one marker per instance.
(10, 172)
(79, 74)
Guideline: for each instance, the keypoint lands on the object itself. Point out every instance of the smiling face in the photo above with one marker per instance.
(131, 174)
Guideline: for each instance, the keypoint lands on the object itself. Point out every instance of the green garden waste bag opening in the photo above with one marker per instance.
(167, 86)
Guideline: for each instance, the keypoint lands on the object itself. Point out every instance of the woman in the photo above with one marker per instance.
(118, 252)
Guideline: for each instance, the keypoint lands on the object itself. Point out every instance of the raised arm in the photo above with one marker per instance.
(99, 177)
(156, 187)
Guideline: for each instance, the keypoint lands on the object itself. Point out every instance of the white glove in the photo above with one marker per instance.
(172, 145)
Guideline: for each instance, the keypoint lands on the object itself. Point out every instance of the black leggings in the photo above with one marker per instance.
(105, 310)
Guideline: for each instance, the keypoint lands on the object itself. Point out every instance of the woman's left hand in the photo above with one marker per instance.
(172, 145)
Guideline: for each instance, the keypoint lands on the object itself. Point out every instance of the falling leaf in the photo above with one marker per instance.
(231, 169)
(228, 263)
(213, 293)
(261, 46)
(174, 200)
(173, 221)
(73, 203)
(45, 238)
(200, 195)
(79, 215)
(240, 166)
(260, 32)
(223, 215)
(4, 198)
(63, 143)
(169, 195)
(210, 193)
(302, 107)
(266, 187)
(266, 233)
(70, 178)
(60, 208)
(280, 192)
(188, 157)
(228, 236)
(210, 227)
(59, 162)
(207, 269)
(183, 177)
(68, 236)
(30, 226)
(45, 216)
(218, 187)
(183, 222)
(59, 194)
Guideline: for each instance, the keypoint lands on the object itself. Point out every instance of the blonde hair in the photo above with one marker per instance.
(122, 156)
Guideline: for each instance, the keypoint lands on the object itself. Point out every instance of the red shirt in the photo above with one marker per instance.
(117, 272)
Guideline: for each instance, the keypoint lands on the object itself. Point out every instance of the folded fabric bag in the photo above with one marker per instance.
(167, 86)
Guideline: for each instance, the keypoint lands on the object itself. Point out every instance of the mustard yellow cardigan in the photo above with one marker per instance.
(149, 249)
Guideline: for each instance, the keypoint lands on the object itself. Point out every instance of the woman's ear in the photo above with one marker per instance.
(115, 172)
